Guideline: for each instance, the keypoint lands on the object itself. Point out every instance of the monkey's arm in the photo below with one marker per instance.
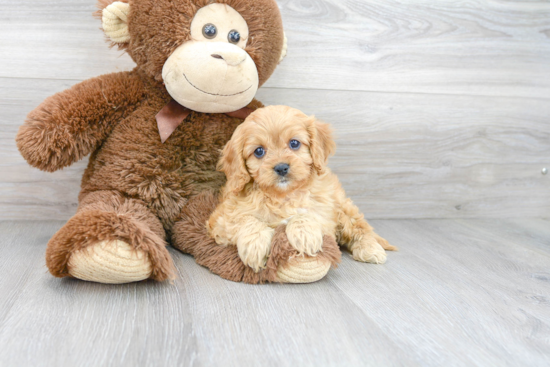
(71, 124)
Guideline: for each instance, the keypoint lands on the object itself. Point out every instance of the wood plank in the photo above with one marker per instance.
(481, 282)
(55, 39)
(201, 319)
(399, 155)
(436, 156)
(22, 255)
(459, 292)
(478, 47)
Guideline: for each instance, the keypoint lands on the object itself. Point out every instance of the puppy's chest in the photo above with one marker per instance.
(281, 211)
(286, 217)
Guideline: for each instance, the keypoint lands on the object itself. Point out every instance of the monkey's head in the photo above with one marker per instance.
(211, 55)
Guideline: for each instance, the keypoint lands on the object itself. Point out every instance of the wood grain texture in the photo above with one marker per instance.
(441, 109)
(477, 47)
(399, 155)
(407, 156)
(459, 292)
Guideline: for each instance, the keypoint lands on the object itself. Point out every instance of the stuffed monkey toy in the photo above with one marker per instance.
(155, 135)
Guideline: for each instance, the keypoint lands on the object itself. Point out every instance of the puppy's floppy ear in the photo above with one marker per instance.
(321, 145)
(232, 162)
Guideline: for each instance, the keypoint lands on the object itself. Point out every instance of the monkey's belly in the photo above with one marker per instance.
(134, 162)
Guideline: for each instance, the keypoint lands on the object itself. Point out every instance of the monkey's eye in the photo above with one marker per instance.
(294, 144)
(209, 31)
(234, 36)
(259, 152)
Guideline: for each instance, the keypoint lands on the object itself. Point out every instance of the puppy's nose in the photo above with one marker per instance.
(282, 169)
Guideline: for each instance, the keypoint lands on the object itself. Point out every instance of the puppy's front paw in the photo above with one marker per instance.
(304, 236)
(368, 250)
(254, 248)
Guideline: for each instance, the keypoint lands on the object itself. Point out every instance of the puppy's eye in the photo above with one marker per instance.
(259, 152)
(294, 144)
(209, 31)
(234, 36)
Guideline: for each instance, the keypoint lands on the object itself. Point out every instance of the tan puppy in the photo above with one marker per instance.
(276, 171)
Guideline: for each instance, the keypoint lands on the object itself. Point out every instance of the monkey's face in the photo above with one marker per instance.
(212, 72)
(212, 55)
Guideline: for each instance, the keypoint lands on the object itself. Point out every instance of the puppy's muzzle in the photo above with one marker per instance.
(282, 169)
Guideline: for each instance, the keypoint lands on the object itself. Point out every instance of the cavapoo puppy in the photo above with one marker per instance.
(276, 171)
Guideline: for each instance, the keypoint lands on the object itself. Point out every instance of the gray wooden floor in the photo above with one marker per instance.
(461, 292)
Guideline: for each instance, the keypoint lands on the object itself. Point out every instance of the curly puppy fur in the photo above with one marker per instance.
(135, 187)
(259, 197)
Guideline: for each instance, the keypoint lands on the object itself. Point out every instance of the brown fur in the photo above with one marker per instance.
(224, 260)
(104, 216)
(113, 117)
(150, 43)
(71, 124)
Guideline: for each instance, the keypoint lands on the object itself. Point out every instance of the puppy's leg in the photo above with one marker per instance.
(384, 243)
(252, 237)
(254, 242)
(358, 236)
(217, 228)
(305, 234)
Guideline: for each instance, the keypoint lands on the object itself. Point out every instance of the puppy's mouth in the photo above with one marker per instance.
(283, 183)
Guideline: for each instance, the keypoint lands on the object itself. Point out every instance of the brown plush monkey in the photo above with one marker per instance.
(155, 134)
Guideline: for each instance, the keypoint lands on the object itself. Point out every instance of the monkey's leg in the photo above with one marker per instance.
(293, 267)
(111, 239)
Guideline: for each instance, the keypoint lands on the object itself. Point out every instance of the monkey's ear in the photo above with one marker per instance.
(283, 51)
(114, 20)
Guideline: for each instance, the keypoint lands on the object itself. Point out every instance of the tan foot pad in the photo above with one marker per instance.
(303, 270)
(112, 262)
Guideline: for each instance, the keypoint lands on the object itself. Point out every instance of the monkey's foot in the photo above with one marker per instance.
(113, 262)
(303, 270)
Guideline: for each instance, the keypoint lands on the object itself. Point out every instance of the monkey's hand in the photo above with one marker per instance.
(69, 125)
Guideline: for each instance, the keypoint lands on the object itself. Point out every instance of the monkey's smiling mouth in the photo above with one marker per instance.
(213, 94)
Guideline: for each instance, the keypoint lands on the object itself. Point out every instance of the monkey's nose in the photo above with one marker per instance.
(282, 169)
(231, 58)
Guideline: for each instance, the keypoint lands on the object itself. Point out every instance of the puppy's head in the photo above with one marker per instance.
(279, 148)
